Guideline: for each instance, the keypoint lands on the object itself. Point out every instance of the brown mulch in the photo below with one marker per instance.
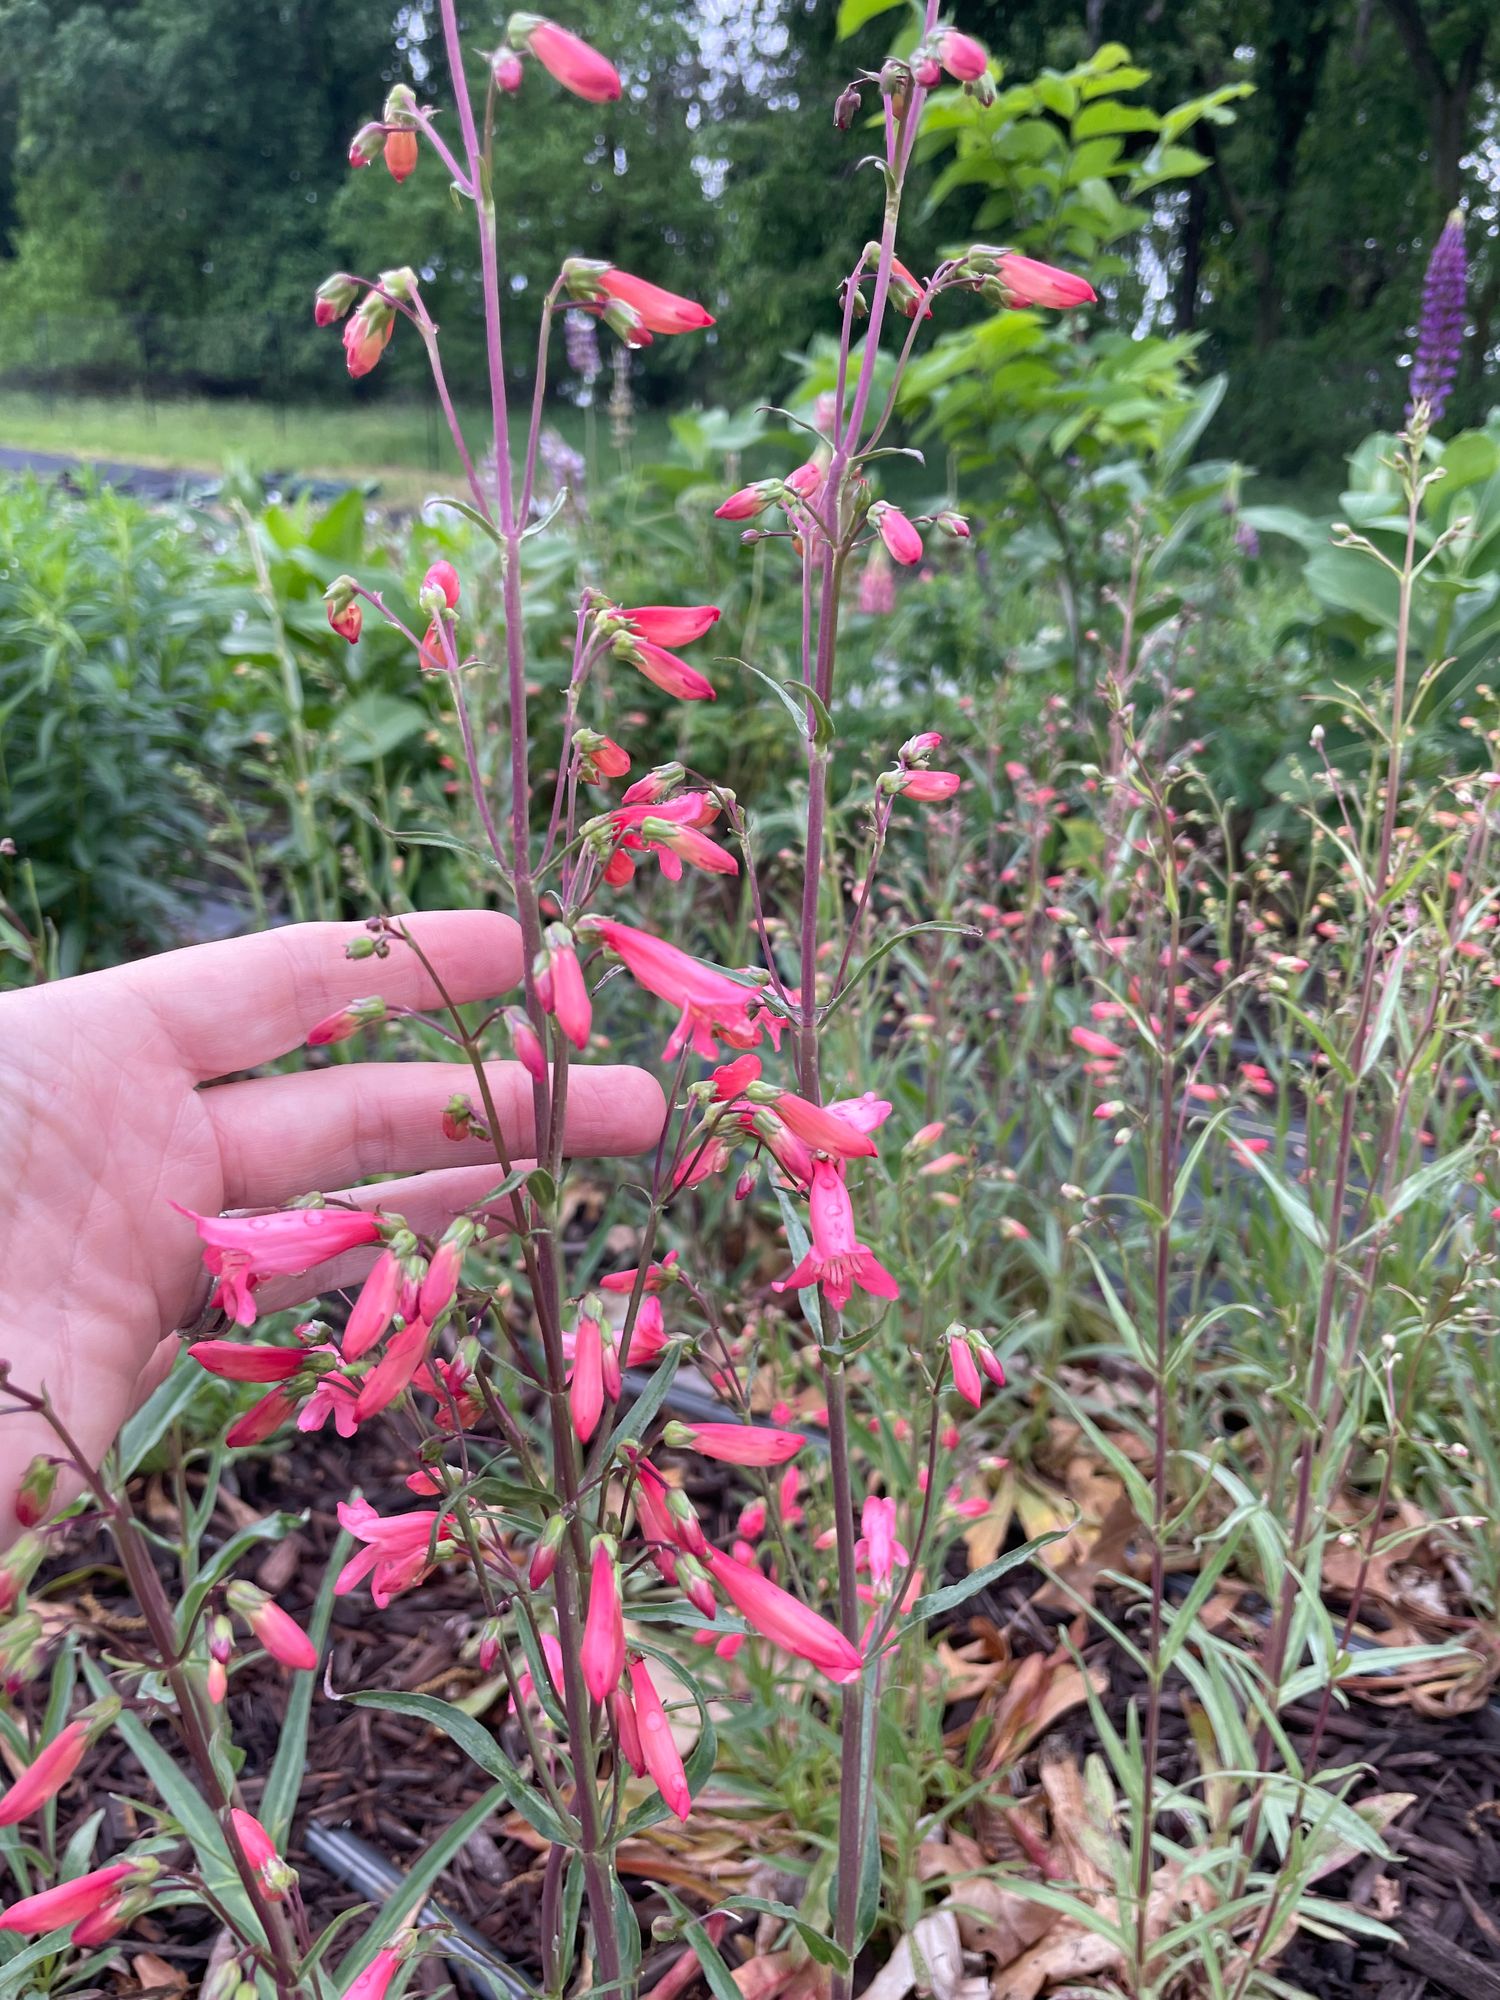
(398, 1786)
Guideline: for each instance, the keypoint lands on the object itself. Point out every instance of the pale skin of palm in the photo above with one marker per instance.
(112, 1105)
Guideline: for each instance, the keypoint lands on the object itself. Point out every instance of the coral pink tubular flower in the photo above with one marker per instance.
(903, 543)
(46, 1775)
(348, 623)
(658, 1277)
(335, 1396)
(68, 1903)
(442, 576)
(393, 1372)
(552, 1660)
(672, 625)
(239, 1361)
(261, 1420)
(930, 787)
(648, 1337)
(281, 1635)
(1029, 282)
(375, 1308)
(837, 1260)
(965, 1373)
(1094, 1044)
(527, 1044)
(824, 1130)
(441, 1281)
(240, 1250)
(788, 1151)
(586, 1391)
(877, 1523)
(657, 1748)
(660, 311)
(375, 1981)
(561, 988)
(990, 1362)
(570, 60)
(779, 1617)
(737, 1444)
(398, 1552)
(672, 675)
(674, 844)
(627, 1729)
(964, 59)
(602, 1654)
(713, 1005)
(657, 1526)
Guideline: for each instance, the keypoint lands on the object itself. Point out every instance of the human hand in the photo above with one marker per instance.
(104, 1120)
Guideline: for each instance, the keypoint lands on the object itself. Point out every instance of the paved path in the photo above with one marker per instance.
(152, 482)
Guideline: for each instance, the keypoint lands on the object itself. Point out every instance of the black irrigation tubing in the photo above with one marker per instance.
(365, 1869)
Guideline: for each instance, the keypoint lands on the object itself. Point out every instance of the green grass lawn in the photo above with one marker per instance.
(403, 445)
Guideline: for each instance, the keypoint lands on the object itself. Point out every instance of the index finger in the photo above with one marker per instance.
(244, 1001)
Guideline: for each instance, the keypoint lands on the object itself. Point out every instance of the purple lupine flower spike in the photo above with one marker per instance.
(581, 340)
(1440, 336)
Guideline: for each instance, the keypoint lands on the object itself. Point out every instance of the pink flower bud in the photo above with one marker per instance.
(333, 299)
(736, 1444)
(262, 1420)
(238, 1361)
(600, 757)
(965, 1373)
(258, 1848)
(567, 58)
(365, 146)
(458, 1116)
(930, 787)
(544, 1555)
(445, 1270)
(375, 1307)
(506, 70)
(367, 335)
(348, 1020)
(1025, 281)
(53, 1765)
(34, 1494)
(658, 310)
(560, 985)
(779, 1617)
(275, 1629)
(903, 543)
(1094, 1044)
(444, 577)
(692, 1579)
(657, 1747)
(964, 59)
(602, 1655)
(672, 625)
(491, 1636)
(749, 501)
(627, 1729)
(70, 1902)
(526, 1043)
(731, 1078)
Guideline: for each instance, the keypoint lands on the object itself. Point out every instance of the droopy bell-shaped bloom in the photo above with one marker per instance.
(560, 985)
(673, 832)
(660, 311)
(69, 1902)
(348, 622)
(658, 1751)
(779, 1617)
(712, 1004)
(736, 1444)
(903, 543)
(399, 1549)
(566, 57)
(672, 625)
(276, 1630)
(442, 576)
(393, 1372)
(964, 59)
(240, 1250)
(866, 1113)
(837, 1260)
(602, 1655)
(400, 153)
(600, 757)
(367, 336)
(1027, 281)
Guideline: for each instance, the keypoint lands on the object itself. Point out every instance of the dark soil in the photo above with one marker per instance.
(398, 1785)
